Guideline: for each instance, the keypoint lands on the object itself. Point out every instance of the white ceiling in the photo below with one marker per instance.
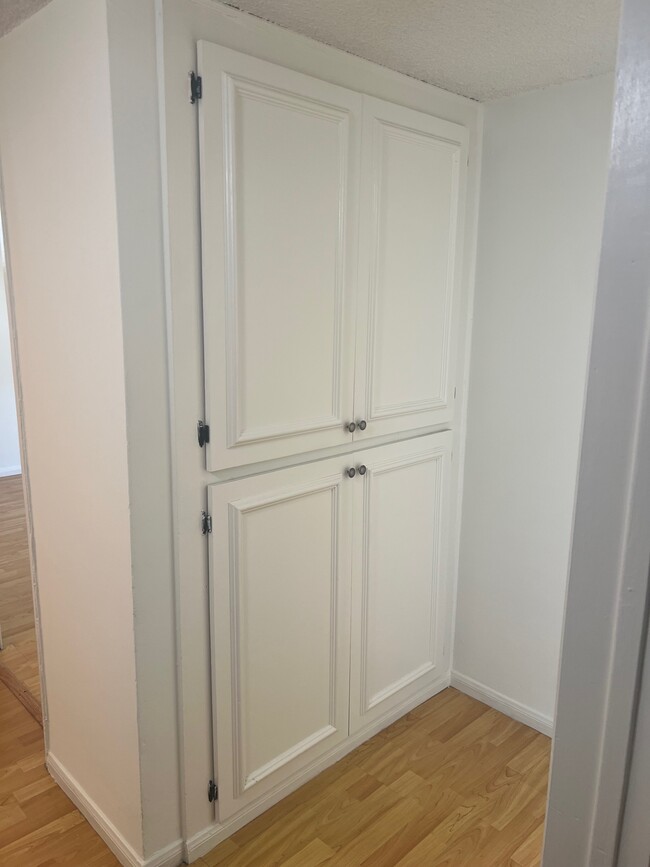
(13, 12)
(484, 49)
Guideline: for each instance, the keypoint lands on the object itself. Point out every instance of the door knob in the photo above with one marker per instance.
(352, 427)
(362, 470)
(351, 472)
(362, 425)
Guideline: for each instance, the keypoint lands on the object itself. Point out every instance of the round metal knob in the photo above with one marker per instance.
(352, 427)
(362, 425)
(352, 472)
(362, 470)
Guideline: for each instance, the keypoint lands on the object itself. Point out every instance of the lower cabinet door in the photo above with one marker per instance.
(280, 561)
(400, 596)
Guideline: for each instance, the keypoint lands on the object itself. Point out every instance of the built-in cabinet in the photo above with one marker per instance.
(328, 606)
(331, 227)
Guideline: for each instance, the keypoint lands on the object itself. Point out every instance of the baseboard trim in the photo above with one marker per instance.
(170, 856)
(515, 709)
(201, 843)
(10, 471)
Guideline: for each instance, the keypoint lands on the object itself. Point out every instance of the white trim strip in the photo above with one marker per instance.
(170, 856)
(509, 706)
(9, 471)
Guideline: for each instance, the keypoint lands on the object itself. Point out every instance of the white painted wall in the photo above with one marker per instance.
(601, 676)
(9, 444)
(83, 187)
(542, 200)
(138, 178)
(56, 147)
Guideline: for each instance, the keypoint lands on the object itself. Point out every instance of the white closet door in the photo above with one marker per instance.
(413, 188)
(279, 192)
(400, 598)
(280, 555)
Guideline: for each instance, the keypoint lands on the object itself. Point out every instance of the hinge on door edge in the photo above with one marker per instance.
(202, 433)
(206, 523)
(213, 791)
(196, 87)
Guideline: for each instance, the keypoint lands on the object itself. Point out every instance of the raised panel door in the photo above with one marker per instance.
(413, 181)
(280, 559)
(400, 585)
(279, 191)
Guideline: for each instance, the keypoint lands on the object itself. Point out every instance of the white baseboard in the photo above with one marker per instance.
(515, 709)
(209, 837)
(10, 471)
(170, 856)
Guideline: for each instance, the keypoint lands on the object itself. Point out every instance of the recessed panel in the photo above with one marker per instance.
(279, 184)
(284, 588)
(287, 166)
(412, 281)
(403, 519)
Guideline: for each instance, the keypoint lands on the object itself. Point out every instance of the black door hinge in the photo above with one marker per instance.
(203, 433)
(213, 791)
(196, 87)
(206, 523)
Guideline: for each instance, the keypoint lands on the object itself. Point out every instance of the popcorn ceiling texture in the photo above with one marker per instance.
(484, 49)
(14, 12)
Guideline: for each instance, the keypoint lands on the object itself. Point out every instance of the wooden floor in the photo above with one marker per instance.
(452, 783)
(16, 604)
(39, 825)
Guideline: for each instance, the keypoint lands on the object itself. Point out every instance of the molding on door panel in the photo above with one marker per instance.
(369, 702)
(381, 130)
(235, 87)
(243, 780)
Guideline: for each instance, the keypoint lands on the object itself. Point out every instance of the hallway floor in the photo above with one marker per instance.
(16, 605)
(39, 825)
(452, 783)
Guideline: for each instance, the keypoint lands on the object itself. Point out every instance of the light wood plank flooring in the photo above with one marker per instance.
(16, 604)
(39, 825)
(452, 783)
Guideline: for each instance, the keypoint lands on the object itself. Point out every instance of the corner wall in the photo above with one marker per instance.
(133, 58)
(544, 173)
(56, 148)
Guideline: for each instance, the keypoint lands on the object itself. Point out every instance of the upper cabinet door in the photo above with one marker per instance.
(413, 189)
(279, 192)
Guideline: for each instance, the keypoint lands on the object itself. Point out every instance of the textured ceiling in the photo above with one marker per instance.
(480, 48)
(12, 12)
(484, 49)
